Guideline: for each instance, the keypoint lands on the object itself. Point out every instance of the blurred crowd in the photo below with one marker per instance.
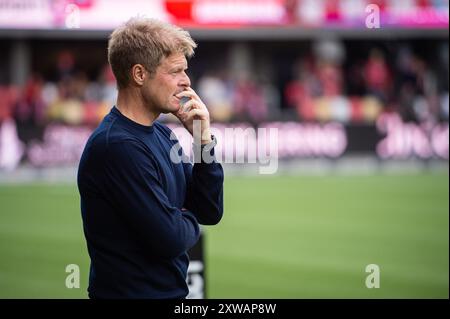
(325, 85)
(73, 98)
(323, 89)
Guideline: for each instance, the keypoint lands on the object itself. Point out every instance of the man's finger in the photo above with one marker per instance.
(189, 105)
(195, 112)
(189, 92)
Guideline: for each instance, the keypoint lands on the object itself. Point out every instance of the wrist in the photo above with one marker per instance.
(204, 153)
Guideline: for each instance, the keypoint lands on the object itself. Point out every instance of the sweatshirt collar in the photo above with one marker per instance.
(130, 122)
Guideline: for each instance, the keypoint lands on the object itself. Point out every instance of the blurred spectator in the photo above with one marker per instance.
(330, 79)
(217, 94)
(8, 100)
(271, 96)
(313, 81)
(29, 108)
(65, 64)
(249, 103)
(417, 85)
(108, 89)
(377, 75)
(355, 79)
(300, 92)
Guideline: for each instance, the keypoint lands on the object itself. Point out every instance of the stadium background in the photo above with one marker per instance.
(362, 116)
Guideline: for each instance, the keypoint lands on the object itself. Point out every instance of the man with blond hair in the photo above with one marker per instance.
(141, 209)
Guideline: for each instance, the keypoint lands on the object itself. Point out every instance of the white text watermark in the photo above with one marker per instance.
(261, 147)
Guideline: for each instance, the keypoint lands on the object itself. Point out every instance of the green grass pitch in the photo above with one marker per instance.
(281, 237)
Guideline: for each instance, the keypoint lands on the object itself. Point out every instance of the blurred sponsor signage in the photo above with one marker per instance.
(108, 14)
(74, 14)
(390, 138)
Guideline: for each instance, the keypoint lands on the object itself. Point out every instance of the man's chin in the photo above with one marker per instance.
(175, 108)
(170, 109)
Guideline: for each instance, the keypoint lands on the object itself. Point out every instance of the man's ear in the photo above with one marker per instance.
(138, 74)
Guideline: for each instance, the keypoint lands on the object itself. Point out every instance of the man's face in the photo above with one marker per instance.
(169, 79)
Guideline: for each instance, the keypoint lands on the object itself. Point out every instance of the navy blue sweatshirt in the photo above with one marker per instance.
(141, 211)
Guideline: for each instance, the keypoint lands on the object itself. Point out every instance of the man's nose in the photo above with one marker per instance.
(185, 81)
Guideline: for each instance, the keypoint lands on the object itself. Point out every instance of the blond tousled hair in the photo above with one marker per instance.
(145, 41)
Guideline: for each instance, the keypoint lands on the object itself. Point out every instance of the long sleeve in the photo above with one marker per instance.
(133, 180)
(204, 196)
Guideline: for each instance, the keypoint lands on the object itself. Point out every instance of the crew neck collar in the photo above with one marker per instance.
(145, 128)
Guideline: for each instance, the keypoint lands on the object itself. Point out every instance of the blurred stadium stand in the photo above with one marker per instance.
(333, 87)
